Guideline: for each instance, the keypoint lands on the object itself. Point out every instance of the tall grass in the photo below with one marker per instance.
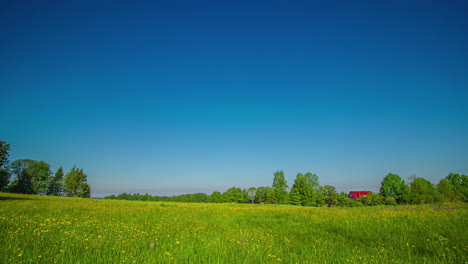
(71, 230)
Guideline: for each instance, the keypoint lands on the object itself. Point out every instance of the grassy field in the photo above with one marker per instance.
(70, 230)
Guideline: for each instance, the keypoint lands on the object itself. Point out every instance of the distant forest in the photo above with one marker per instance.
(306, 191)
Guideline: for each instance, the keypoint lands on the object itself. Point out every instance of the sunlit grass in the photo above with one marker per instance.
(72, 230)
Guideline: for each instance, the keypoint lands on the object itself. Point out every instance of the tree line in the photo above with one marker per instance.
(306, 191)
(35, 177)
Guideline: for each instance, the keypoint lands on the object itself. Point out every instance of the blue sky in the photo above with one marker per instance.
(173, 97)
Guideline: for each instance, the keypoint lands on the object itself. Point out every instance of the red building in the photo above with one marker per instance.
(357, 195)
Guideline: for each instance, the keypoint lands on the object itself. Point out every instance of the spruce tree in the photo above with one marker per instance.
(294, 197)
(76, 185)
(56, 184)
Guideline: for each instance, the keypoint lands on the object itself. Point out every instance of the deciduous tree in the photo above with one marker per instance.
(372, 199)
(233, 195)
(329, 194)
(423, 191)
(445, 188)
(31, 176)
(280, 185)
(270, 196)
(394, 186)
(312, 180)
(251, 192)
(343, 199)
(460, 185)
(261, 194)
(215, 197)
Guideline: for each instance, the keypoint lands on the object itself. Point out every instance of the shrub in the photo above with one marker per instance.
(390, 201)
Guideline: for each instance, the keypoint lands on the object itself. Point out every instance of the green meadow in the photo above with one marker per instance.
(38, 229)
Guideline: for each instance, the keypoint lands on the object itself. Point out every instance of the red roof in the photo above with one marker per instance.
(358, 195)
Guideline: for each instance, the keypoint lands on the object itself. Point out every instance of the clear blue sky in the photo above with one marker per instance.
(173, 97)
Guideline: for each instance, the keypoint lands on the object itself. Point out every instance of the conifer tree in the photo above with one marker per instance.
(294, 197)
(56, 184)
(76, 185)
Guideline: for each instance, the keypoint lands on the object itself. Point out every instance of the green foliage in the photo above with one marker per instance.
(464, 187)
(355, 203)
(4, 179)
(308, 195)
(215, 197)
(148, 197)
(200, 198)
(34, 177)
(312, 180)
(372, 199)
(56, 184)
(423, 191)
(394, 186)
(4, 173)
(460, 185)
(329, 195)
(281, 197)
(390, 201)
(262, 195)
(445, 188)
(270, 196)
(185, 198)
(251, 193)
(75, 184)
(280, 185)
(294, 197)
(233, 195)
(342, 199)
(4, 153)
(279, 181)
(31, 176)
(302, 193)
(23, 179)
(41, 175)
